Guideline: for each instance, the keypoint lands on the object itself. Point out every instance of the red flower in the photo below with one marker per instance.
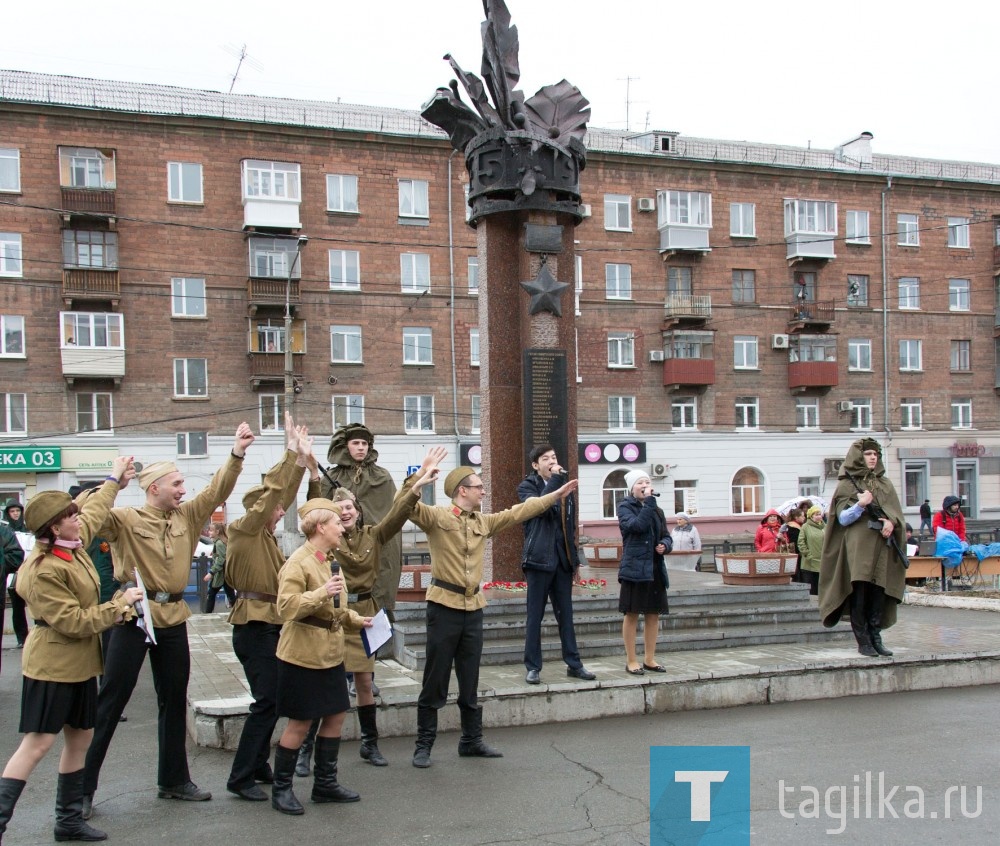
(105, 546)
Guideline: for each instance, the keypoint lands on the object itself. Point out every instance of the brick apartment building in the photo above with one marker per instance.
(740, 316)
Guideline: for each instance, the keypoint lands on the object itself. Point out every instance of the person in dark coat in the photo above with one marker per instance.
(12, 554)
(642, 573)
(860, 574)
(925, 518)
(549, 560)
(13, 515)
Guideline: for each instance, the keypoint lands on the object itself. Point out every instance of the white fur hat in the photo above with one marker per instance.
(634, 476)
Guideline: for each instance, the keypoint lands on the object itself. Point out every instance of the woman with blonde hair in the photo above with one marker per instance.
(216, 575)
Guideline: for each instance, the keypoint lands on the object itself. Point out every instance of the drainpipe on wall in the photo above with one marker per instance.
(885, 317)
(451, 306)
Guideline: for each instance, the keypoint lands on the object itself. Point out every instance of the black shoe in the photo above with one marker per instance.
(189, 792)
(252, 793)
(867, 650)
(580, 673)
(422, 757)
(533, 677)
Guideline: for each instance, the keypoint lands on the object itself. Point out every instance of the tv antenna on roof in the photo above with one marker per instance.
(241, 56)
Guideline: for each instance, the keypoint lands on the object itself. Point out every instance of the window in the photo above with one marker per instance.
(679, 280)
(613, 491)
(275, 258)
(413, 198)
(857, 290)
(747, 412)
(11, 335)
(683, 344)
(13, 414)
(85, 167)
(958, 232)
(190, 377)
(93, 413)
(474, 347)
(271, 180)
(859, 354)
(745, 352)
(909, 292)
(92, 329)
(741, 220)
(10, 254)
(807, 412)
(804, 286)
(908, 228)
(961, 413)
(618, 281)
(269, 336)
(861, 413)
(473, 276)
(617, 213)
(341, 193)
(621, 349)
(415, 272)
(961, 355)
(748, 491)
(857, 228)
(685, 208)
(184, 182)
(272, 412)
(809, 486)
(86, 248)
(345, 345)
(812, 348)
(810, 216)
(911, 413)
(621, 414)
(192, 444)
(744, 286)
(915, 483)
(345, 270)
(959, 298)
(684, 413)
(910, 354)
(475, 416)
(418, 413)
(187, 298)
(348, 408)
(417, 345)
(10, 170)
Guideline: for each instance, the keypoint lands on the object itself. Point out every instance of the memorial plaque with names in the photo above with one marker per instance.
(545, 400)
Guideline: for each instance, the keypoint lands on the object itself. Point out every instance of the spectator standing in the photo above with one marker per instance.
(810, 547)
(216, 575)
(14, 517)
(950, 517)
(685, 534)
(13, 555)
(925, 518)
(766, 539)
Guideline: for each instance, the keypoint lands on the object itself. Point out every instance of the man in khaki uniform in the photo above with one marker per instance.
(159, 538)
(457, 535)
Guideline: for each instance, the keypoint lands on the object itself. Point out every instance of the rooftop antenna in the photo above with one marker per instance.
(241, 56)
(628, 80)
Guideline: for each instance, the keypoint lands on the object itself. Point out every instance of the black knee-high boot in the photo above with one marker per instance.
(325, 786)
(69, 810)
(282, 797)
(859, 619)
(876, 601)
(369, 736)
(471, 743)
(10, 792)
(427, 724)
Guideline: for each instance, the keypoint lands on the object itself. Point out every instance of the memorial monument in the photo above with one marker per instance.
(524, 159)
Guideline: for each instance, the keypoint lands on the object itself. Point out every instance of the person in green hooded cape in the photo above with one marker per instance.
(860, 574)
(354, 465)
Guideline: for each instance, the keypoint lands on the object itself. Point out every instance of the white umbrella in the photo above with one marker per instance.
(788, 505)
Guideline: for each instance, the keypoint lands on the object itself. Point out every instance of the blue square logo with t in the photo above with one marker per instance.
(699, 795)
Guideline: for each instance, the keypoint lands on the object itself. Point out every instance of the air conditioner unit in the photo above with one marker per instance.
(657, 471)
(647, 204)
(656, 355)
(831, 467)
(585, 210)
(845, 405)
(779, 342)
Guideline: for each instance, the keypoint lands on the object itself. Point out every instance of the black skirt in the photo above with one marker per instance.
(48, 706)
(307, 694)
(644, 597)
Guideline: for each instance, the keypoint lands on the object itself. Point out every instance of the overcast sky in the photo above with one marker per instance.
(919, 76)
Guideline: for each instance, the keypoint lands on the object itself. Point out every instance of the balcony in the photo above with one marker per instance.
(812, 374)
(267, 368)
(810, 245)
(92, 363)
(687, 308)
(684, 239)
(688, 372)
(804, 315)
(271, 293)
(91, 284)
(91, 202)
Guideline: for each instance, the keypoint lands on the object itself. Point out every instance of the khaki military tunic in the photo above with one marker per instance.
(301, 593)
(66, 595)
(162, 543)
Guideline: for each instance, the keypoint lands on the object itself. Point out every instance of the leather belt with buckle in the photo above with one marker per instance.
(359, 597)
(252, 594)
(162, 597)
(441, 583)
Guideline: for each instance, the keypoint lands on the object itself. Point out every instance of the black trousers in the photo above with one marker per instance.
(453, 638)
(18, 617)
(255, 644)
(214, 592)
(555, 586)
(170, 661)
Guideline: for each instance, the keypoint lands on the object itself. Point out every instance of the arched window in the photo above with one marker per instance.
(748, 491)
(614, 492)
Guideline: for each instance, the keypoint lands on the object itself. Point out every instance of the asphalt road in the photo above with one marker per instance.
(569, 783)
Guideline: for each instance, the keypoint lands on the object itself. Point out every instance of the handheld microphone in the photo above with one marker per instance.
(654, 493)
(335, 571)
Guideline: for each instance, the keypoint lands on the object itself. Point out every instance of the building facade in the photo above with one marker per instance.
(174, 261)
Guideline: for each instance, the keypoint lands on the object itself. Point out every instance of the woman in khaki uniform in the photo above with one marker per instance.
(62, 656)
(311, 680)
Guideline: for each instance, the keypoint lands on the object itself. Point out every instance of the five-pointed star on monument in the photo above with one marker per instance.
(545, 292)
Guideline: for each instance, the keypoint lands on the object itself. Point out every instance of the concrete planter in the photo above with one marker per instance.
(413, 583)
(606, 555)
(756, 568)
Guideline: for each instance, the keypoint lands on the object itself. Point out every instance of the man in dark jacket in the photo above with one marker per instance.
(549, 561)
(12, 554)
(925, 518)
(13, 516)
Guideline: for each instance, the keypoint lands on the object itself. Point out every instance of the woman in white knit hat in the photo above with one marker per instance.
(642, 573)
